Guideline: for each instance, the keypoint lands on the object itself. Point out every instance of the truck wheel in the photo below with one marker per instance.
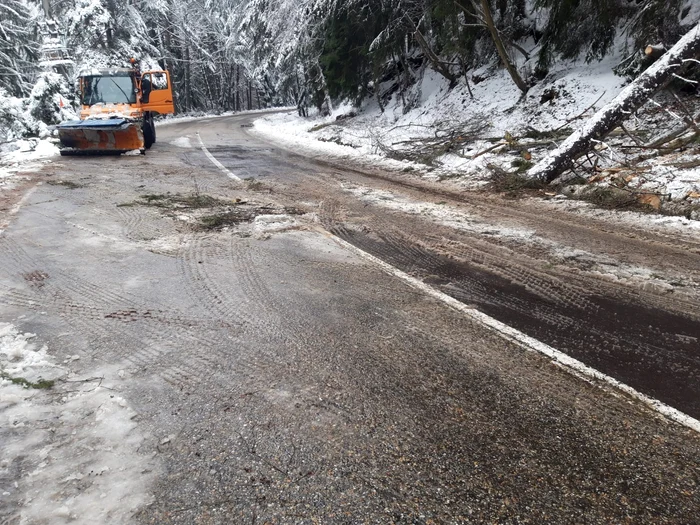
(149, 131)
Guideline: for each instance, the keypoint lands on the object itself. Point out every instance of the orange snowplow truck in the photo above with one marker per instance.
(118, 106)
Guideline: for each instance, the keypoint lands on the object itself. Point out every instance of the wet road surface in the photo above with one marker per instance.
(279, 378)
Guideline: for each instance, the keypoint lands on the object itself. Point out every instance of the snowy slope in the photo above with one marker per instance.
(563, 101)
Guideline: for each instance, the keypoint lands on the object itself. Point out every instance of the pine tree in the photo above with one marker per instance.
(19, 46)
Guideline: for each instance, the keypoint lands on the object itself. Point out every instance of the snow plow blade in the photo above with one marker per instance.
(100, 136)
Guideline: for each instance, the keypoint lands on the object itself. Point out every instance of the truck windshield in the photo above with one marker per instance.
(108, 90)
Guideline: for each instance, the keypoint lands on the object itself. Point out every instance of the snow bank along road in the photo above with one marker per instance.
(219, 356)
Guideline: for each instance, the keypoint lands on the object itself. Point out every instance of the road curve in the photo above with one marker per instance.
(278, 377)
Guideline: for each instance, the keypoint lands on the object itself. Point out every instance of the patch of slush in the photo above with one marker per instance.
(25, 155)
(70, 454)
(169, 245)
(593, 264)
(263, 225)
(663, 224)
(292, 131)
(181, 142)
(20, 357)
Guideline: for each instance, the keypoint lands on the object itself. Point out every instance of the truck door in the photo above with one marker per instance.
(157, 93)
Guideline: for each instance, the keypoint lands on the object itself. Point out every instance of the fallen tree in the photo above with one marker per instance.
(614, 113)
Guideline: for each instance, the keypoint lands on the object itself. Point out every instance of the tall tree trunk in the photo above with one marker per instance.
(238, 88)
(466, 76)
(615, 112)
(501, 48)
(434, 59)
(327, 107)
(187, 78)
(46, 4)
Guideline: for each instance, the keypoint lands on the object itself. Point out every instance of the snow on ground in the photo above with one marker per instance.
(496, 106)
(496, 117)
(181, 142)
(191, 117)
(265, 225)
(69, 452)
(594, 264)
(663, 224)
(25, 155)
(294, 132)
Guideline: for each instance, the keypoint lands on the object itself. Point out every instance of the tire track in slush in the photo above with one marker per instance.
(148, 341)
(152, 337)
(424, 252)
(428, 249)
(241, 292)
(225, 297)
(142, 225)
(403, 253)
(184, 335)
(233, 295)
(626, 341)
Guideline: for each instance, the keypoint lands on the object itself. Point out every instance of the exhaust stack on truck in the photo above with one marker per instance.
(118, 106)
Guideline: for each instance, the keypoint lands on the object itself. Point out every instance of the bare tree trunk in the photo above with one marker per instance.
(466, 76)
(378, 95)
(500, 47)
(188, 78)
(406, 78)
(628, 101)
(434, 59)
(301, 95)
(327, 107)
(237, 103)
(46, 4)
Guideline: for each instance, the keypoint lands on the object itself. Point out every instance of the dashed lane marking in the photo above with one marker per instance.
(559, 358)
(216, 162)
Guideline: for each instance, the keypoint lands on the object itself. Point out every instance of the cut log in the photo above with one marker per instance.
(628, 101)
(654, 51)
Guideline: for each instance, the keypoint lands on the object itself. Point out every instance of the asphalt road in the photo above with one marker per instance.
(279, 377)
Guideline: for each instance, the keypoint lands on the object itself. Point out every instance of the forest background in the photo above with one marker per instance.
(243, 54)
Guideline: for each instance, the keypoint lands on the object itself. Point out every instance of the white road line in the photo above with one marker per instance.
(216, 162)
(525, 341)
(16, 208)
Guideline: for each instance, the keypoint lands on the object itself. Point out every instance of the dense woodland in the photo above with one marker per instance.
(241, 54)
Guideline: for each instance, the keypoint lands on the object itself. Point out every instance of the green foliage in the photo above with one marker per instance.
(581, 26)
(348, 60)
(450, 34)
(655, 22)
(228, 54)
(41, 384)
(44, 100)
(659, 21)
(19, 47)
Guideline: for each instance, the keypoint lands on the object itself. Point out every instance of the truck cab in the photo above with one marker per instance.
(117, 110)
